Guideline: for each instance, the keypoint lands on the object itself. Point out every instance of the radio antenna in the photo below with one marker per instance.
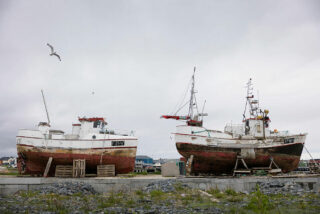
(45, 105)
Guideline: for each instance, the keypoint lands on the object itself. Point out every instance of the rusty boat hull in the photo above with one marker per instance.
(32, 160)
(221, 160)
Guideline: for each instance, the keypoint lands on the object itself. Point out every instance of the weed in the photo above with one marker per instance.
(103, 204)
(55, 204)
(220, 195)
(28, 194)
(139, 193)
(213, 191)
(178, 187)
(186, 199)
(230, 192)
(259, 202)
(236, 198)
(199, 198)
(156, 194)
(86, 204)
(130, 203)
(113, 199)
(302, 205)
(147, 207)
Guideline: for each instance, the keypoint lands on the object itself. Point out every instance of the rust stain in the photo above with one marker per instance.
(32, 160)
(217, 160)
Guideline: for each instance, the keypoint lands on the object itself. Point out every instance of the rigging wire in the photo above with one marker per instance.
(180, 103)
(181, 107)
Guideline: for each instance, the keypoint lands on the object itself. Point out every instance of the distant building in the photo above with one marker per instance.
(8, 161)
(139, 166)
(164, 160)
(145, 159)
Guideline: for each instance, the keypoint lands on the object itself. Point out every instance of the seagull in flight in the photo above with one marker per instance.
(53, 53)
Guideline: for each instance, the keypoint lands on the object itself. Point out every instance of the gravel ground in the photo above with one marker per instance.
(284, 187)
(167, 196)
(68, 188)
(164, 186)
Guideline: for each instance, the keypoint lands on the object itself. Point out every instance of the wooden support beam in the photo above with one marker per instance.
(46, 171)
(189, 165)
(241, 171)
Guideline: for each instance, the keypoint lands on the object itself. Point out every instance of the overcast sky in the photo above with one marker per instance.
(138, 57)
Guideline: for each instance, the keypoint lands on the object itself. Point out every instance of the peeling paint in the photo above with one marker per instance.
(35, 158)
(218, 160)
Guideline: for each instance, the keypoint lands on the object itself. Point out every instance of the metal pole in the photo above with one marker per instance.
(192, 96)
(45, 105)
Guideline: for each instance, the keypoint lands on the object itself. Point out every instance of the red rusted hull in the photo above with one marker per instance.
(33, 160)
(218, 160)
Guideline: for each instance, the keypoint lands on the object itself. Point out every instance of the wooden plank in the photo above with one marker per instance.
(260, 168)
(275, 171)
(105, 170)
(242, 171)
(47, 167)
(64, 171)
(79, 168)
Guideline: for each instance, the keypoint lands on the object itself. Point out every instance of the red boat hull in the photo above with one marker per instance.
(218, 160)
(33, 160)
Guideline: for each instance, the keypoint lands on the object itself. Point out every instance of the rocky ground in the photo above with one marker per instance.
(167, 196)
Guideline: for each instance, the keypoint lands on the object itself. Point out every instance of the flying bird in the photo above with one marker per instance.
(53, 53)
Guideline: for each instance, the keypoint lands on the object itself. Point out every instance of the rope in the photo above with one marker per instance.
(311, 157)
(203, 131)
(178, 105)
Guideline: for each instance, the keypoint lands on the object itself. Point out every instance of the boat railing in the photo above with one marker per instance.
(117, 132)
(233, 128)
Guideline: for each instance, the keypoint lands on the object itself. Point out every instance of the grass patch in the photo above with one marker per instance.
(178, 187)
(156, 194)
(28, 194)
(213, 191)
(130, 203)
(259, 202)
(231, 192)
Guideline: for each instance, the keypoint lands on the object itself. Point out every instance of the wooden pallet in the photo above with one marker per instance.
(79, 168)
(63, 171)
(106, 170)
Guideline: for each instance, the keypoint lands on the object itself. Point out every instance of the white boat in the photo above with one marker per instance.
(253, 141)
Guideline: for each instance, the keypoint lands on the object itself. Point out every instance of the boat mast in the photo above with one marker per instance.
(253, 104)
(192, 118)
(45, 105)
(192, 96)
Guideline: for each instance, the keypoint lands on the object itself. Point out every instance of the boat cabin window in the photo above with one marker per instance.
(96, 124)
(288, 140)
(258, 128)
(117, 143)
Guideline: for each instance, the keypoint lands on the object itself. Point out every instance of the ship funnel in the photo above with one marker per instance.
(44, 127)
(76, 129)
